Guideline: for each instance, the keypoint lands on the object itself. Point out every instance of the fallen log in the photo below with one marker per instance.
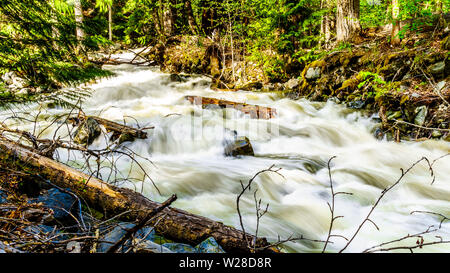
(176, 224)
(255, 111)
(111, 126)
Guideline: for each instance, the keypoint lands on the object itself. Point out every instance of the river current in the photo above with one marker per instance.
(186, 149)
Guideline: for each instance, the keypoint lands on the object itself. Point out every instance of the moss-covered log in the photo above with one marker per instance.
(177, 224)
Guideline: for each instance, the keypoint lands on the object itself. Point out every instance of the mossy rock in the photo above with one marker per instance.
(87, 132)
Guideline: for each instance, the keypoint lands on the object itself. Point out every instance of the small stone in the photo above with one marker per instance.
(3, 197)
(176, 78)
(292, 84)
(439, 86)
(251, 86)
(437, 68)
(313, 73)
(393, 115)
(436, 134)
(359, 104)
(421, 113)
(73, 247)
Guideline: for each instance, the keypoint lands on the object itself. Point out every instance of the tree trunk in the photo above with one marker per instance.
(325, 25)
(78, 9)
(347, 19)
(169, 18)
(110, 22)
(190, 16)
(176, 224)
(395, 39)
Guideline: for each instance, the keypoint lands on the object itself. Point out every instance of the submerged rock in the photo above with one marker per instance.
(87, 132)
(240, 146)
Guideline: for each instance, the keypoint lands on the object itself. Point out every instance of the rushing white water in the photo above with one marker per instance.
(186, 148)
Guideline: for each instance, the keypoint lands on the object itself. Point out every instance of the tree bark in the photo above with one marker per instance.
(110, 22)
(176, 224)
(347, 19)
(190, 16)
(325, 25)
(255, 111)
(78, 9)
(395, 39)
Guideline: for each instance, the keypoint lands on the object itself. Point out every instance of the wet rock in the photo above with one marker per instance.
(439, 86)
(359, 104)
(3, 197)
(240, 146)
(176, 78)
(437, 69)
(393, 115)
(313, 73)
(180, 248)
(378, 133)
(251, 86)
(87, 132)
(145, 237)
(60, 202)
(113, 236)
(73, 247)
(421, 113)
(268, 87)
(292, 84)
(209, 246)
(150, 247)
(436, 134)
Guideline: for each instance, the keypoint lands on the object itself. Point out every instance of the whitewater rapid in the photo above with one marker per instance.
(187, 158)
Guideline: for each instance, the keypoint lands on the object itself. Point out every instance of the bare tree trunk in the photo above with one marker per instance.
(78, 9)
(325, 25)
(190, 16)
(395, 39)
(110, 22)
(347, 19)
(169, 18)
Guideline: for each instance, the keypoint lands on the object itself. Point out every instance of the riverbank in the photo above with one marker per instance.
(407, 87)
